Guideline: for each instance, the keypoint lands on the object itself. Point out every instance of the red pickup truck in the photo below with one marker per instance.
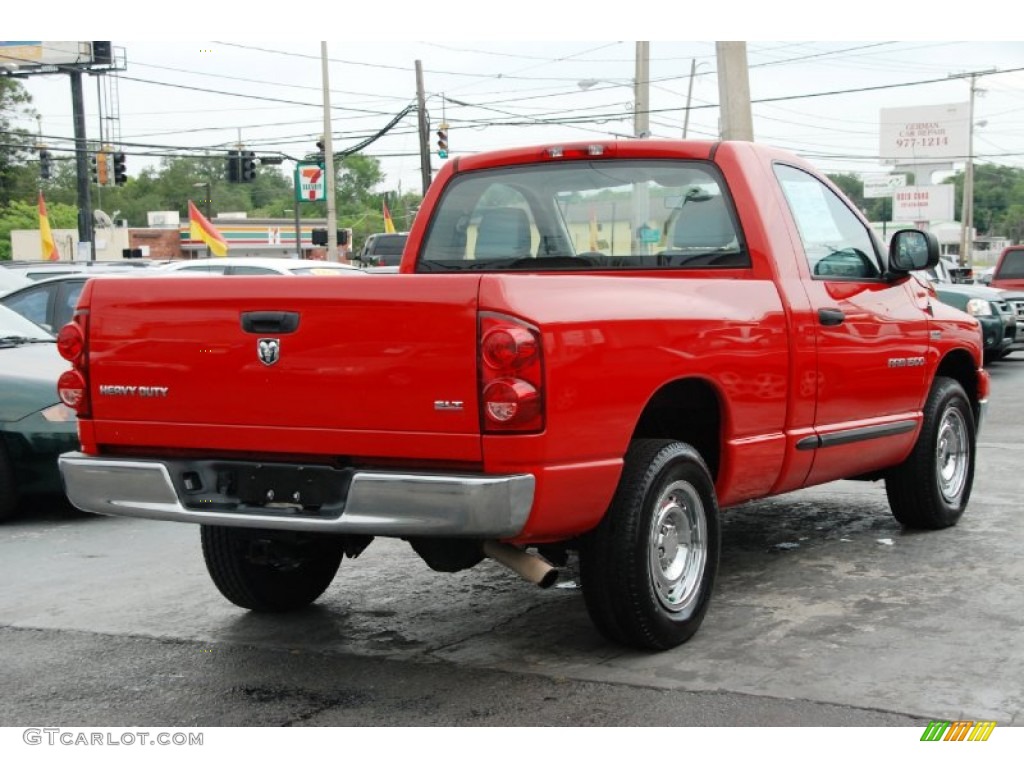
(589, 350)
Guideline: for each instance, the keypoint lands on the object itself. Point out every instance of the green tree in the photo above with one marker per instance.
(170, 185)
(17, 143)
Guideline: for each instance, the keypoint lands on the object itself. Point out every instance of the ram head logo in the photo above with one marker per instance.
(268, 350)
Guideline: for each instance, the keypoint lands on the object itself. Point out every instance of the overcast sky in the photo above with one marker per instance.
(516, 80)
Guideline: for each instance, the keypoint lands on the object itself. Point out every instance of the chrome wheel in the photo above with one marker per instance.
(678, 547)
(952, 455)
(649, 568)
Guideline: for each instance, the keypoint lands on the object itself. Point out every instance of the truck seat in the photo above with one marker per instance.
(503, 233)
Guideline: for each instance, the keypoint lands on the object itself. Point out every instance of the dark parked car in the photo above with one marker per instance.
(383, 249)
(35, 427)
(995, 314)
(997, 318)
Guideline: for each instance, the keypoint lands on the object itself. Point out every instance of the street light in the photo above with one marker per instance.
(209, 207)
(641, 90)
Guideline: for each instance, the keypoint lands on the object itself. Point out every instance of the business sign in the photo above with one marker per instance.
(883, 184)
(32, 54)
(934, 203)
(925, 133)
(310, 182)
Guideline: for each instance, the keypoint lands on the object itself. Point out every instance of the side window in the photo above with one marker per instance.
(31, 304)
(64, 307)
(836, 242)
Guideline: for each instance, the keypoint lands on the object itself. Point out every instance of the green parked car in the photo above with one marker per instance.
(35, 427)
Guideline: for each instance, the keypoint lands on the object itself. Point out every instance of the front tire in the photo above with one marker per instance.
(931, 488)
(269, 571)
(648, 569)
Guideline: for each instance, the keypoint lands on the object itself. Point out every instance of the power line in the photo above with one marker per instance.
(247, 95)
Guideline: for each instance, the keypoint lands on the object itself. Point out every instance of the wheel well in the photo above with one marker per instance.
(959, 365)
(690, 411)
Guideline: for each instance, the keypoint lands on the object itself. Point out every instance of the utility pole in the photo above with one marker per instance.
(641, 203)
(85, 231)
(734, 91)
(642, 92)
(689, 96)
(332, 215)
(423, 128)
(967, 203)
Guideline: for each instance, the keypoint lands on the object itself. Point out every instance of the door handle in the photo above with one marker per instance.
(270, 322)
(831, 316)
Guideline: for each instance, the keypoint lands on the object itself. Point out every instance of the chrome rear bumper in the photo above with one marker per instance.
(377, 503)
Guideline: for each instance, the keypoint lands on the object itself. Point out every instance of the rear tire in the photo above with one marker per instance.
(931, 488)
(269, 571)
(648, 569)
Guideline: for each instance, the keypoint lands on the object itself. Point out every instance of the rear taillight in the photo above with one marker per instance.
(71, 389)
(71, 342)
(511, 375)
(73, 385)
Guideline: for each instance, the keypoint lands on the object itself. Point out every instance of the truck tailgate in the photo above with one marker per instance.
(177, 361)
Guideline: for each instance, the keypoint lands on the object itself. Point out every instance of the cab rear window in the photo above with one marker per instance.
(1012, 265)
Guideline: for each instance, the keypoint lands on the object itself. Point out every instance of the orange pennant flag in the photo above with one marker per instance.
(50, 252)
(200, 228)
(389, 225)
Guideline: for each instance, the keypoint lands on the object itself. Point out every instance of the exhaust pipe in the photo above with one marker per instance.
(533, 568)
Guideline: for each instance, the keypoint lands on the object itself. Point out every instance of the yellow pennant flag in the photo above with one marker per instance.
(50, 252)
(389, 225)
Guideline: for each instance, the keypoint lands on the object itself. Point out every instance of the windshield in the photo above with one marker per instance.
(587, 214)
(15, 327)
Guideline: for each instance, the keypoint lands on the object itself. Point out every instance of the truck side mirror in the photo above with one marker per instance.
(913, 249)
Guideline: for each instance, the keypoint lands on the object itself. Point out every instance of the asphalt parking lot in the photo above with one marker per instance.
(826, 612)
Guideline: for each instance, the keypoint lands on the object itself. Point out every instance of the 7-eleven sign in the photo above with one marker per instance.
(310, 183)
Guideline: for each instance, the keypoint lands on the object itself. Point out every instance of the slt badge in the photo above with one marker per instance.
(268, 350)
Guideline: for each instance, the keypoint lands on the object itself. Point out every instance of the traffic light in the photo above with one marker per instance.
(234, 166)
(442, 140)
(44, 164)
(248, 166)
(319, 237)
(120, 169)
(100, 169)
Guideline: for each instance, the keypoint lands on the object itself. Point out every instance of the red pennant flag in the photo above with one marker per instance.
(199, 228)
